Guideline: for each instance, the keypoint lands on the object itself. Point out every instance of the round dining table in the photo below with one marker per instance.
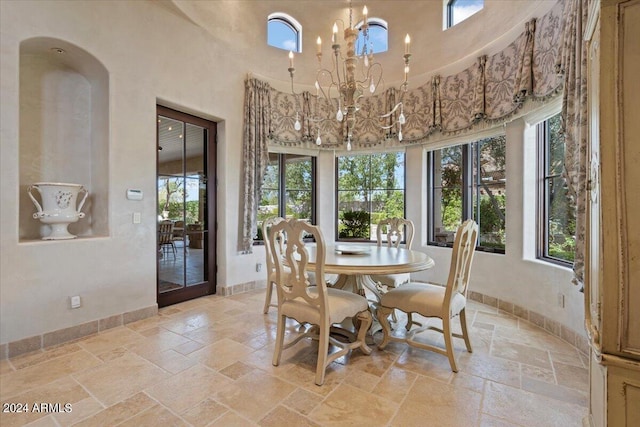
(354, 264)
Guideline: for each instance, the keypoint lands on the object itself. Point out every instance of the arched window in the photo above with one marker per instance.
(459, 10)
(378, 36)
(284, 32)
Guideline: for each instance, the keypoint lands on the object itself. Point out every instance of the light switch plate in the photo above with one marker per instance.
(136, 217)
(75, 301)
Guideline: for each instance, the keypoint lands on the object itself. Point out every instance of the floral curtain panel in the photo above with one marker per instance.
(573, 66)
(456, 98)
(257, 126)
(524, 74)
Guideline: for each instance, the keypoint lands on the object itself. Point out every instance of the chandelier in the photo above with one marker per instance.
(351, 76)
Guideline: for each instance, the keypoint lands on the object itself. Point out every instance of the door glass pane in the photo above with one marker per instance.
(171, 195)
(195, 204)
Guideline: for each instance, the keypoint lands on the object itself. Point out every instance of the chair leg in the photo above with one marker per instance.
(448, 343)
(383, 313)
(465, 333)
(277, 351)
(267, 300)
(323, 350)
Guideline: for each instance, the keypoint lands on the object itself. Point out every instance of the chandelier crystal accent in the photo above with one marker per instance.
(352, 76)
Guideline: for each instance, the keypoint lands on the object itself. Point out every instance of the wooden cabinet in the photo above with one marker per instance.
(612, 281)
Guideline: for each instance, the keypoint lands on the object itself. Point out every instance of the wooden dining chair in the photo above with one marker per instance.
(319, 305)
(179, 235)
(397, 231)
(429, 300)
(270, 262)
(165, 238)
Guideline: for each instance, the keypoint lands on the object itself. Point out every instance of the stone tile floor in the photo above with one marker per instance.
(208, 362)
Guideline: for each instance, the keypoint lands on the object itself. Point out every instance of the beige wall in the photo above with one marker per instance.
(115, 273)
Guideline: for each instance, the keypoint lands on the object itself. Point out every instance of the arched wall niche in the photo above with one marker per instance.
(64, 130)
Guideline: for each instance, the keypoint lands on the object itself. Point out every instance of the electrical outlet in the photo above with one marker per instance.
(136, 217)
(258, 267)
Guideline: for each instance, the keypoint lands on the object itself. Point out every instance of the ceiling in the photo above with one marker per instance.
(241, 26)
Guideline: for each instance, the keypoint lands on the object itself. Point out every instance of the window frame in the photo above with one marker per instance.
(470, 157)
(449, 14)
(290, 22)
(337, 194)
(372, 22)
(282, 202)
(543, 177)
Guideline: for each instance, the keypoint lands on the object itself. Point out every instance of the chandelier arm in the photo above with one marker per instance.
(325, 71)
(393, 110)
(370, 72)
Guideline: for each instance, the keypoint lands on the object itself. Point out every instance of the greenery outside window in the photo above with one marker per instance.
(369, 188)
(288, 189)
(177, 193)
(468, 182)
(459, 10)
(284, 32)
(556, 213)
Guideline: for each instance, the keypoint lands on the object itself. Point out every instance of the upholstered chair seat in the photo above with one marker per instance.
(434, 301)
(318, 306)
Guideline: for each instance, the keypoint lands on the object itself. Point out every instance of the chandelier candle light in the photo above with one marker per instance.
(341, 82)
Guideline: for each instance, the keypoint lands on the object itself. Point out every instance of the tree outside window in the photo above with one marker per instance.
(370, 188)
(468, 181)
(288, 189)
(557, 224)
(173, 197)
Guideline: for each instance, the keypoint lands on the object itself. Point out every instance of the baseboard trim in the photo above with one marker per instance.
(61, 336)
(240, 288)
(554, 328)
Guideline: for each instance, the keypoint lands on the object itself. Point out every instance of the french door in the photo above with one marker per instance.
(186, 206)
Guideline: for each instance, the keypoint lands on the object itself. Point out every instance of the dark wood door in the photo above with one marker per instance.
(186, 204)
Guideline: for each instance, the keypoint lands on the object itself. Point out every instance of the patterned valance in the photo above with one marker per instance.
(485, 94)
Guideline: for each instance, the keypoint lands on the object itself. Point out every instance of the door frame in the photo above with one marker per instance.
(210, 238)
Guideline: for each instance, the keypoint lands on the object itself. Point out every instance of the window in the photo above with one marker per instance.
(288, 189)
(284, 32)
(468, 181)
(378, 37)
(556, 213)
(459, 10)
(369, 188)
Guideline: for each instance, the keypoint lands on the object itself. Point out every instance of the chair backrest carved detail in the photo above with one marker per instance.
(266, 229)
(291, 262)
(464, 248)
(396, 229)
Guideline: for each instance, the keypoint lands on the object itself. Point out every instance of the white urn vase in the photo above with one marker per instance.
(58, 208)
